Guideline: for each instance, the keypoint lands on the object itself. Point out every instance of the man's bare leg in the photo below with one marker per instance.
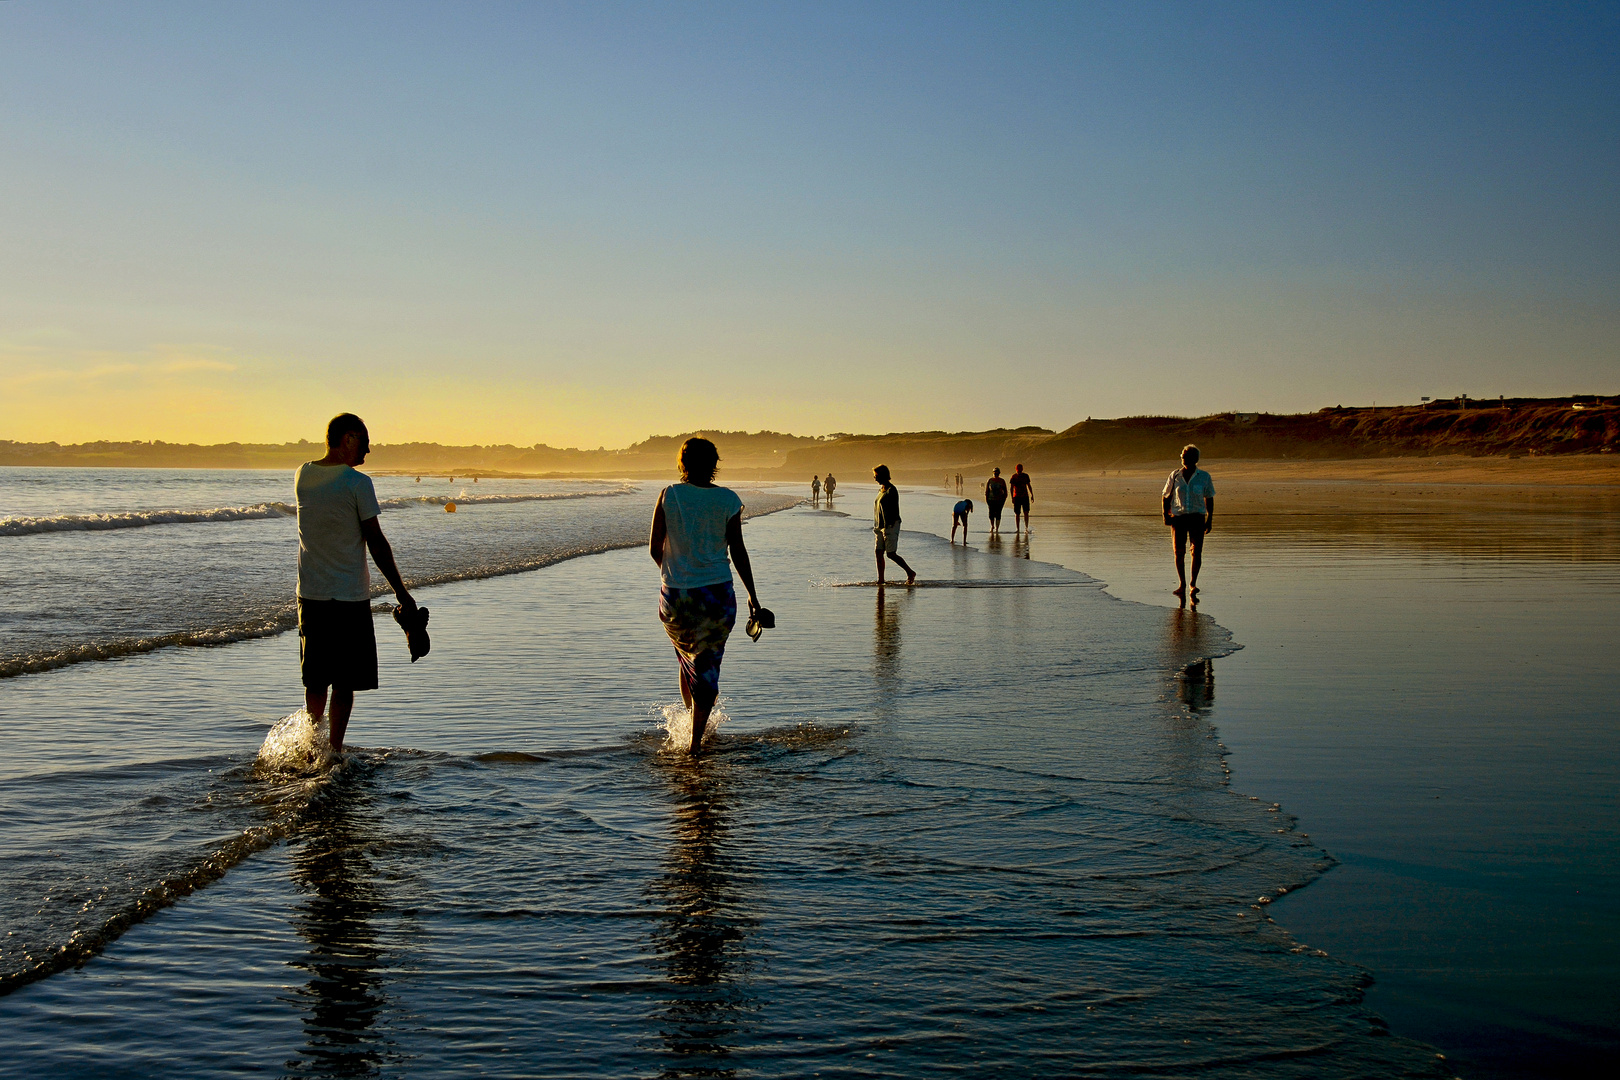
(880, 565)
(342, 706)
(1180, 542)
(911, 575)
(1198, 562)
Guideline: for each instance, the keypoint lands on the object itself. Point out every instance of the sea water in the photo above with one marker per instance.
(983, 829)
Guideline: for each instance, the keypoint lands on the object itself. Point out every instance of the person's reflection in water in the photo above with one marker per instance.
(1020, 546)
(886, 652)
(702, 936)
(1184, 638)
(344, 997)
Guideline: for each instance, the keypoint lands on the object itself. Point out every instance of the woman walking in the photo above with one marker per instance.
(694, 526)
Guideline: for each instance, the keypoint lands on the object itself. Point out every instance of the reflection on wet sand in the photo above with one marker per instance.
(1184, 638)
(701, 937)
(344, 998)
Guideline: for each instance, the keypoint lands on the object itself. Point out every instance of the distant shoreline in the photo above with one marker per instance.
(1572, 470)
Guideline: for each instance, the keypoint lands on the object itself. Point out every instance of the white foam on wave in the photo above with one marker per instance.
(138, 519)
(295, 744)
(675, 720)
(466, 499)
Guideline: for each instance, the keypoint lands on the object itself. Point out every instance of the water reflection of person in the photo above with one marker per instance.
(1195, 678)
(344, 996)
(702, 935)
(886, 652)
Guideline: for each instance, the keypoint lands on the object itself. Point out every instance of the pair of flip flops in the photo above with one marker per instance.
(414, 623)
(759, 621)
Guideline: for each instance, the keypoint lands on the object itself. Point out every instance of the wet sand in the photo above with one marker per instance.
(1423, 683)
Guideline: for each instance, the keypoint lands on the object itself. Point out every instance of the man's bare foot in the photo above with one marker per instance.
(1182, 591)
(911, 579)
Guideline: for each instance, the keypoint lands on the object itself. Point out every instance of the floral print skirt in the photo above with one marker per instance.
(698, 622)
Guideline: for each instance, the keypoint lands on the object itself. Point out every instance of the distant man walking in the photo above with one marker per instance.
(886, 524)
(1023, 493)
(995, 497)
(337, 523)
(829, 486)
(1189, 509)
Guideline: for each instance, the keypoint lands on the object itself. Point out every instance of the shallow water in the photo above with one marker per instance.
(1423, 685)
(982, 829)
(97, 563)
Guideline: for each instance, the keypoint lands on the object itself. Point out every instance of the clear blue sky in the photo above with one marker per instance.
(585, 224)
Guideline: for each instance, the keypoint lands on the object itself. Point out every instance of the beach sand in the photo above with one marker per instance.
(1422, 683)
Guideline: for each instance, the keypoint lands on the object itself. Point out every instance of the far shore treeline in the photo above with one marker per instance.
(1521, 427)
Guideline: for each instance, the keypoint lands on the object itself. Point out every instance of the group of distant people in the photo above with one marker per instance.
(996, 490)
(817, 486)
(695, 540)
(1188, 506)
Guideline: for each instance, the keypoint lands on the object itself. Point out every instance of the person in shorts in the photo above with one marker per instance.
(886, 525)
(1023, 493)
(337, 524)
(959, 516)
(815, 490)
(995, 497)
(1189, 509)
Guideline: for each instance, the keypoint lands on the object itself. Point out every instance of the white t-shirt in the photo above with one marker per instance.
(695, 535)
(332, 502)
(1187, 494)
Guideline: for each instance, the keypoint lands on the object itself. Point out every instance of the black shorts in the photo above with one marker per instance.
(337, 644)
(994, 508)
(1020, 505)
(1189, 525)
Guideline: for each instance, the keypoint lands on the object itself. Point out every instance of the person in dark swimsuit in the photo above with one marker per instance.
(995, 497)
(959, 516)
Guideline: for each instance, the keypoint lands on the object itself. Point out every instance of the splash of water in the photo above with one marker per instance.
(675, 720)
(296, 744)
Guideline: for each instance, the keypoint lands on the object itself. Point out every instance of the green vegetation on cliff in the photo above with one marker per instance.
(1523, 427)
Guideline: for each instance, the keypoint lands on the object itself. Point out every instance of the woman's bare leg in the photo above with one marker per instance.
(701, 709)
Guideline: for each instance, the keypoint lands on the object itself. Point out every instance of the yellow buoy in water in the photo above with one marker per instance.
(449, 508)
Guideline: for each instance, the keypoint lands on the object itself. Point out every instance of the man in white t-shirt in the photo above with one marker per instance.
(337, 523)
(1189, 509)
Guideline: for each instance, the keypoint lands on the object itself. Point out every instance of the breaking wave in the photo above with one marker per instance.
(139, 519)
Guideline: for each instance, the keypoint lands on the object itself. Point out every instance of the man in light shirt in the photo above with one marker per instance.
(1189, 509)
(337, 523)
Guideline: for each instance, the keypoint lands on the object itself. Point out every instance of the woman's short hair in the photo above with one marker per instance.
(1190, 452)
(882, 474)
(697, 461)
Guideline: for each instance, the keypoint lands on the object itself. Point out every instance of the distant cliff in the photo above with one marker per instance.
(1506, 427)
(1522, 427)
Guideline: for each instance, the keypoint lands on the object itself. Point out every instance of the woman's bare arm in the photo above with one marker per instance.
(660, 529)
(739, 557)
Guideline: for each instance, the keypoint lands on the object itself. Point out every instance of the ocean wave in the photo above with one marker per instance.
(465, 499)
(285, 617)
(284, 804)
(139, 519)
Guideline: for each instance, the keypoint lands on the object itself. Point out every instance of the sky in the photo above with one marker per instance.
(583, 224)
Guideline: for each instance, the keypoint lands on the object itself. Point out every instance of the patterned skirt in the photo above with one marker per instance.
(698, 622)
